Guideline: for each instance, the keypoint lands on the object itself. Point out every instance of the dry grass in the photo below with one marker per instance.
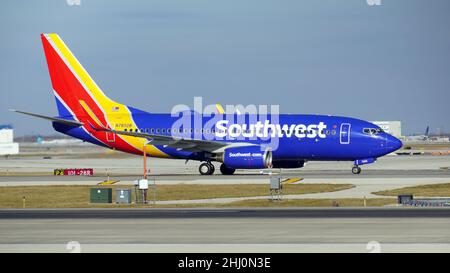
(78, 196)
(432, 190)
(188, 192)
(44, 196)
(427, 146)
(346, 202)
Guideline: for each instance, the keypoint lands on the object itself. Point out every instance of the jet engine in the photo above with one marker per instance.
(288, 164)
(246, 157)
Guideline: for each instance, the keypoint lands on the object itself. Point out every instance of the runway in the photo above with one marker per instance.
(166, 167)
(234, 230)
(387, 173)
(224, 213)
(229, 230)
(324, 174)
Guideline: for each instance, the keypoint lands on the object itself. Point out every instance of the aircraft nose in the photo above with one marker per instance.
(393, 143)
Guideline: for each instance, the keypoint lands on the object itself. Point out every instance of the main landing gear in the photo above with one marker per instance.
(356, 169)
(225, 170)
(206, 168)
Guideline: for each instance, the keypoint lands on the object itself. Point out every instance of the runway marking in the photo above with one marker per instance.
(292, 180)
(108, 182)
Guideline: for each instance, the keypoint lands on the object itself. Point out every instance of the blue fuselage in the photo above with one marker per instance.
(306, 137)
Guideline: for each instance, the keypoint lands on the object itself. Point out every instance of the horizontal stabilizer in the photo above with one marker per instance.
(58, 120)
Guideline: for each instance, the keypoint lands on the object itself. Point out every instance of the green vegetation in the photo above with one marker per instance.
(432, 190)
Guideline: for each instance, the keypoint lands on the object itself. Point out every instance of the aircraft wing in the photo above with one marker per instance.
(58, 120)
(193, 145)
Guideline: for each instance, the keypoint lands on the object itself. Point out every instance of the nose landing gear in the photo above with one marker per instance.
(206, 168)
(356, 169)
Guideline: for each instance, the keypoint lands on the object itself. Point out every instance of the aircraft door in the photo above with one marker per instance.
(345, 133)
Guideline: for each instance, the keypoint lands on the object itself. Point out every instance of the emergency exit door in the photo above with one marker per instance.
(345, 133)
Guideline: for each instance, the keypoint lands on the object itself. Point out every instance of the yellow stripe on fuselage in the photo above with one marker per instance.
(121, 112)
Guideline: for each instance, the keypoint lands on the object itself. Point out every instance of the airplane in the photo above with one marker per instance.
(424, 137)
(86, 113)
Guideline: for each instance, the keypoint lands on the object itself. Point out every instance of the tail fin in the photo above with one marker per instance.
(79, 98)
(71, 83)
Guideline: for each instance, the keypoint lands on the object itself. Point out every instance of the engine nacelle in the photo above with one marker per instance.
(288, 164)
(247, 157)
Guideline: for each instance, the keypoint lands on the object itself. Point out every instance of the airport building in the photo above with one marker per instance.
(391, 127)
(7, 144)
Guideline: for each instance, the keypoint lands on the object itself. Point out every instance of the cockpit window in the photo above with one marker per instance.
(372, 131)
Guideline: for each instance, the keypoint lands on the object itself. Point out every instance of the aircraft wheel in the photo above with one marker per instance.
(356, 170)
(225, 170)
(206, 168)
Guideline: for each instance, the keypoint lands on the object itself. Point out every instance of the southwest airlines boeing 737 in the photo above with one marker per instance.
(86, 113)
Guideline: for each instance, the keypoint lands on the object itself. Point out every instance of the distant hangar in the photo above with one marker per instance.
(391, 127)
(7, 144)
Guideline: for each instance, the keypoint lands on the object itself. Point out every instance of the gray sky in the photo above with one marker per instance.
(340, 57)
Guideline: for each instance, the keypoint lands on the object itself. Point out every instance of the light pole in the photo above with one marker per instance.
(145, 158)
